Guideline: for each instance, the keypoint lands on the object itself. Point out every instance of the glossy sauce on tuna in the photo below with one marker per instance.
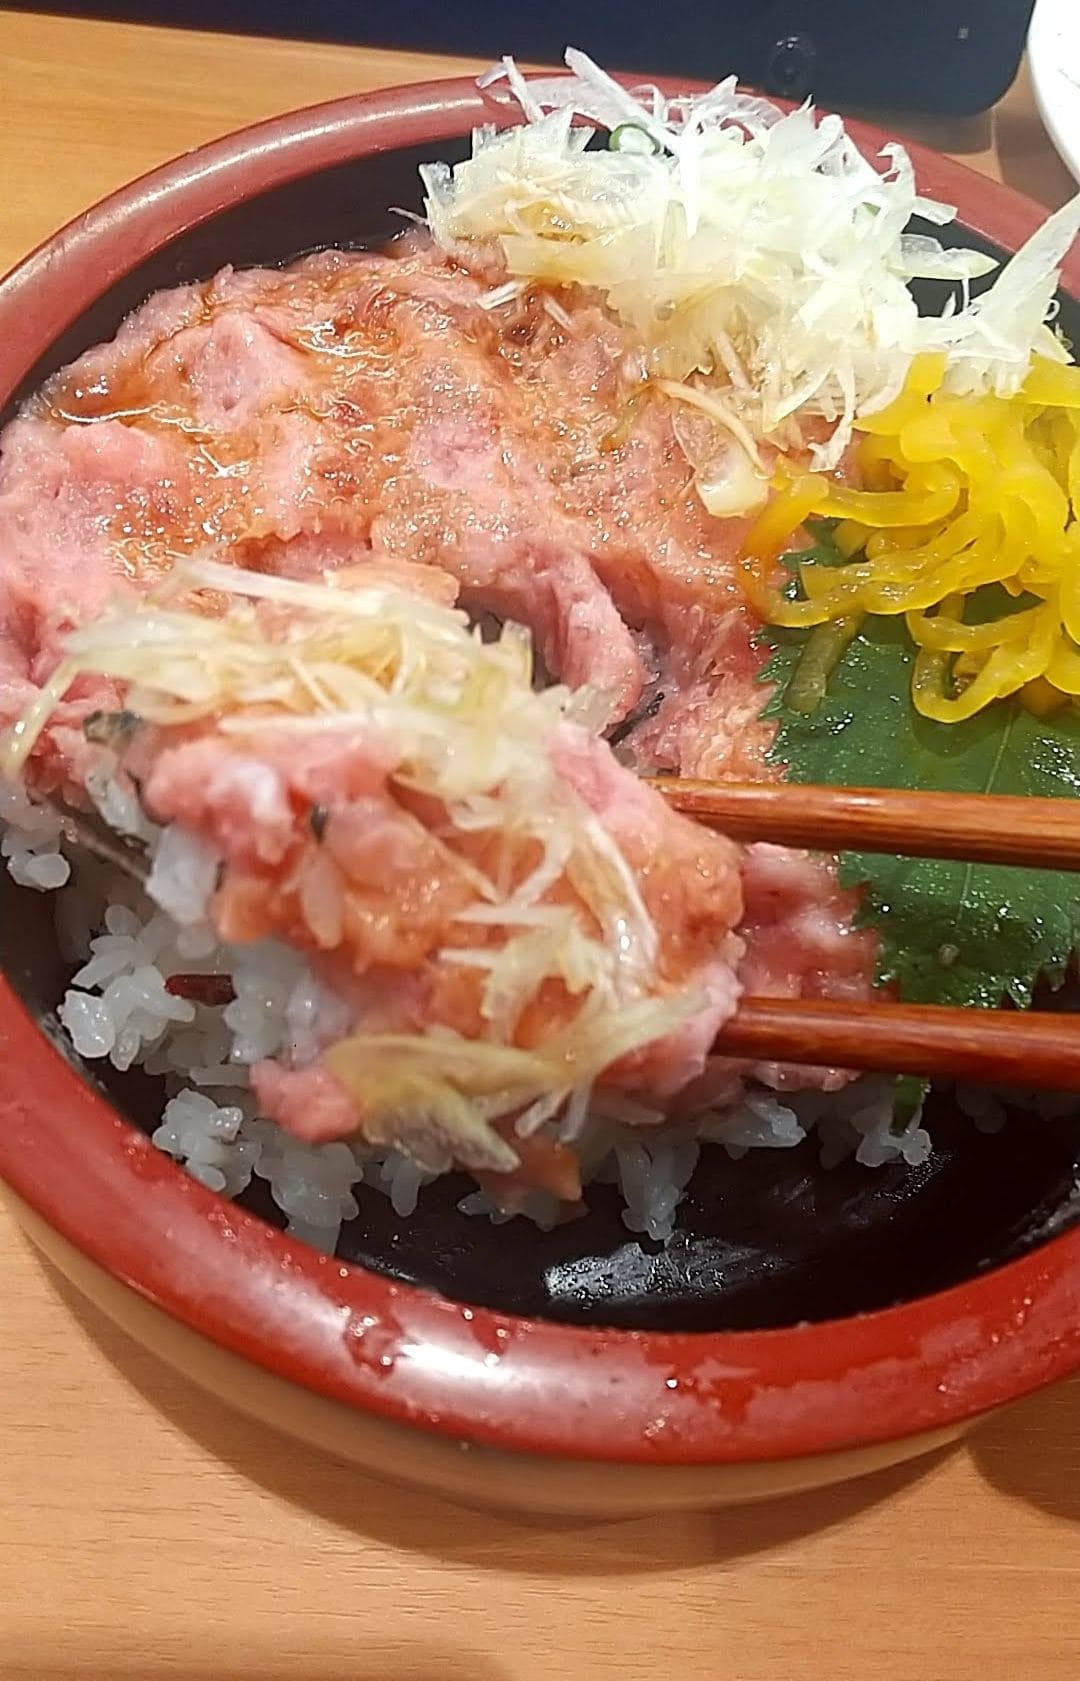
(372, 411)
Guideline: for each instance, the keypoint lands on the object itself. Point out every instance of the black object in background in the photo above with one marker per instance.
(951, 57)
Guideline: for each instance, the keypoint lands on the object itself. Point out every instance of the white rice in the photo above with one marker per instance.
(30, 841)
(118, 1009)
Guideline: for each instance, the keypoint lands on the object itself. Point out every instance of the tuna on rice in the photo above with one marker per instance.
(353, 609)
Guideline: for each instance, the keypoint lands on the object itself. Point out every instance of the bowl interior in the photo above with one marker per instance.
(771, 1240)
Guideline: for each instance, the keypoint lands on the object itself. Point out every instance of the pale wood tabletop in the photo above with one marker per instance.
(146, 1534)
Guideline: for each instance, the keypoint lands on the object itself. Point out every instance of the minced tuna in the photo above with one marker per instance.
(370, 417)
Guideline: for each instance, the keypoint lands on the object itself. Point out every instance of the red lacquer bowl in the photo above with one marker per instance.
(484, 1404)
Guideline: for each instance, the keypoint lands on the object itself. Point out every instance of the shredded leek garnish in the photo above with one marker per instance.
(553, 898)
(754, 255)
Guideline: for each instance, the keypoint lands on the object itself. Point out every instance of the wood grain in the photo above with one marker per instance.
(982, 828)
(937, 1041)
(144, 1534)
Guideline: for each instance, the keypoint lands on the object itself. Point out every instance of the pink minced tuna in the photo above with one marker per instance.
(368, 411)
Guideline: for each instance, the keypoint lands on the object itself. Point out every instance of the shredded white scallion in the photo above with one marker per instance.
(451, 717)
(755, 251)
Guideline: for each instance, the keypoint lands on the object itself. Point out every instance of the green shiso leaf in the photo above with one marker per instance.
(952, 933)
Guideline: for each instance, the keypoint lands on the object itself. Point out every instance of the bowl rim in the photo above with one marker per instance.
(524, 1385)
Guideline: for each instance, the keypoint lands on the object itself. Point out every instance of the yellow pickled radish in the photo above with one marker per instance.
(962, 492)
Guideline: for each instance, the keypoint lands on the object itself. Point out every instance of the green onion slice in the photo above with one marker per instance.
(631, 137)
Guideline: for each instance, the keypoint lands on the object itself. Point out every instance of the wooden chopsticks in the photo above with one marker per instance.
(1006, 1047)
(982, 828)
(994, 1047)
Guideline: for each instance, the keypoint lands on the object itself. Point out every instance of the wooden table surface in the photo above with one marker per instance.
(144, 1533)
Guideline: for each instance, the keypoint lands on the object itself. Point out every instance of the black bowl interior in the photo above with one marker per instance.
(771, 1240)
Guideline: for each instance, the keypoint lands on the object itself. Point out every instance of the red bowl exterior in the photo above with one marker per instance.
(399, 1352)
